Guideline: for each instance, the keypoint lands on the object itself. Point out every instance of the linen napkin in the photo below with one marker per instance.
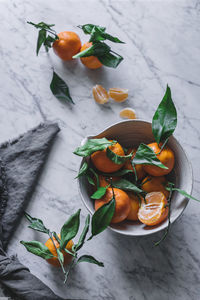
(21, 163)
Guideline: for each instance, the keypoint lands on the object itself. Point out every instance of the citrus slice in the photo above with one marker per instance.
(117, 94)
(155, 210)
(127, 113)
(100, 94)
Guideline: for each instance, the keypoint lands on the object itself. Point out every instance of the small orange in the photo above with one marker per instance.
(122, 204)
(54, 260)
(154, 211)
(139, 168)
(90, 62)
(166, 157)
(103, 163)
(135, 205)
(155, 184)
(68, 45)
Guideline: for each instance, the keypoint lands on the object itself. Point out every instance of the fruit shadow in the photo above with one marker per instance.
(139, 261)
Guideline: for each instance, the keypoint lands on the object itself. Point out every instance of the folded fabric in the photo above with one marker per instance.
(20, 166)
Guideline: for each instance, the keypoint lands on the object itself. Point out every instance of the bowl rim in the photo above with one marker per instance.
(190, 170)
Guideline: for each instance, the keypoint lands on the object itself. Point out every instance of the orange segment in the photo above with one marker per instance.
(127, 113)
(154, 211)
(100, 94)
(117, 94)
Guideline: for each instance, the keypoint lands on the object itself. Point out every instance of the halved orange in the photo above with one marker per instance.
(155, 210)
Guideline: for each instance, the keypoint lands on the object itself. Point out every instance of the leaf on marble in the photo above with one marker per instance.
(111, 59)
(43, 38)
(60, 89)
(70, 229)
(102, 217)
(90, 259)
(36, 224)
(165, 118)
(145, 155)
(87, 28)
(38, 249)
(93, 145)
(83, 234)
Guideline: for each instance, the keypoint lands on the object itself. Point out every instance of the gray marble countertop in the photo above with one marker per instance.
(162, 46)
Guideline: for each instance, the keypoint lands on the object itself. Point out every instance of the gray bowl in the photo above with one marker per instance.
(130, 134)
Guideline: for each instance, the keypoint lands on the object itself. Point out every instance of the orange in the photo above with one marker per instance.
(122, 204)
(90, 62)
(54, 260)
(127, 113)
(155, 184)
(135, 205)
(117, 94)
(139, 168)
(103, 163)
(68, 45)
(100, 94)
(166, 157)
(154, 211)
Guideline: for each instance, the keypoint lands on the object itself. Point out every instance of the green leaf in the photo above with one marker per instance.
(182, 192)
(69, 229)
(83, 234)
(97, 34)
(93, 145)
(60, 256)
(165, 118)
(117, 159)
(97, 49)
(83, 170)
(118, 173)
(87, 28)
(36, 224)
(96, 176)
(90, 259)
(100, 192)
(102, 217)
(60, 89)
(38, 249)
(145, 155)
(90, 180)
(126, 185)
(111, 60)
(41, 39)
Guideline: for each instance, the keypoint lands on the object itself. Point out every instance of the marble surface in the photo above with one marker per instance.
(162, 46)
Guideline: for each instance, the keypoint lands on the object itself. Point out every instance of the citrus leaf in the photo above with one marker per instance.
(182, 192)
(145, 155)
(83, 170)
(97, 49)
(111, 60)
(90, 259)
(87, 28)
(126, 185)
(83, 234)
(93, 145)
(102, 217)
(100, 192)
(117, 159)
(60, 89)
(41, 39)
(165, 118)
(96, 176)
(90, 180)
(97, 34)
(38, 249)
(69, 229)
(118, 173)
(60, 256)
(36, 224)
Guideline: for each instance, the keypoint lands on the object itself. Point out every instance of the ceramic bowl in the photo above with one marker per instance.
(130, 134)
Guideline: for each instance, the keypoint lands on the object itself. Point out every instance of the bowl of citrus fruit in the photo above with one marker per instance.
(135, 176)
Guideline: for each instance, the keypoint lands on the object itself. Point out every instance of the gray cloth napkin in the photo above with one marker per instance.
(20, 166)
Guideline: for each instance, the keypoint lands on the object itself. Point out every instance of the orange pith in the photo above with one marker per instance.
(100, 94)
